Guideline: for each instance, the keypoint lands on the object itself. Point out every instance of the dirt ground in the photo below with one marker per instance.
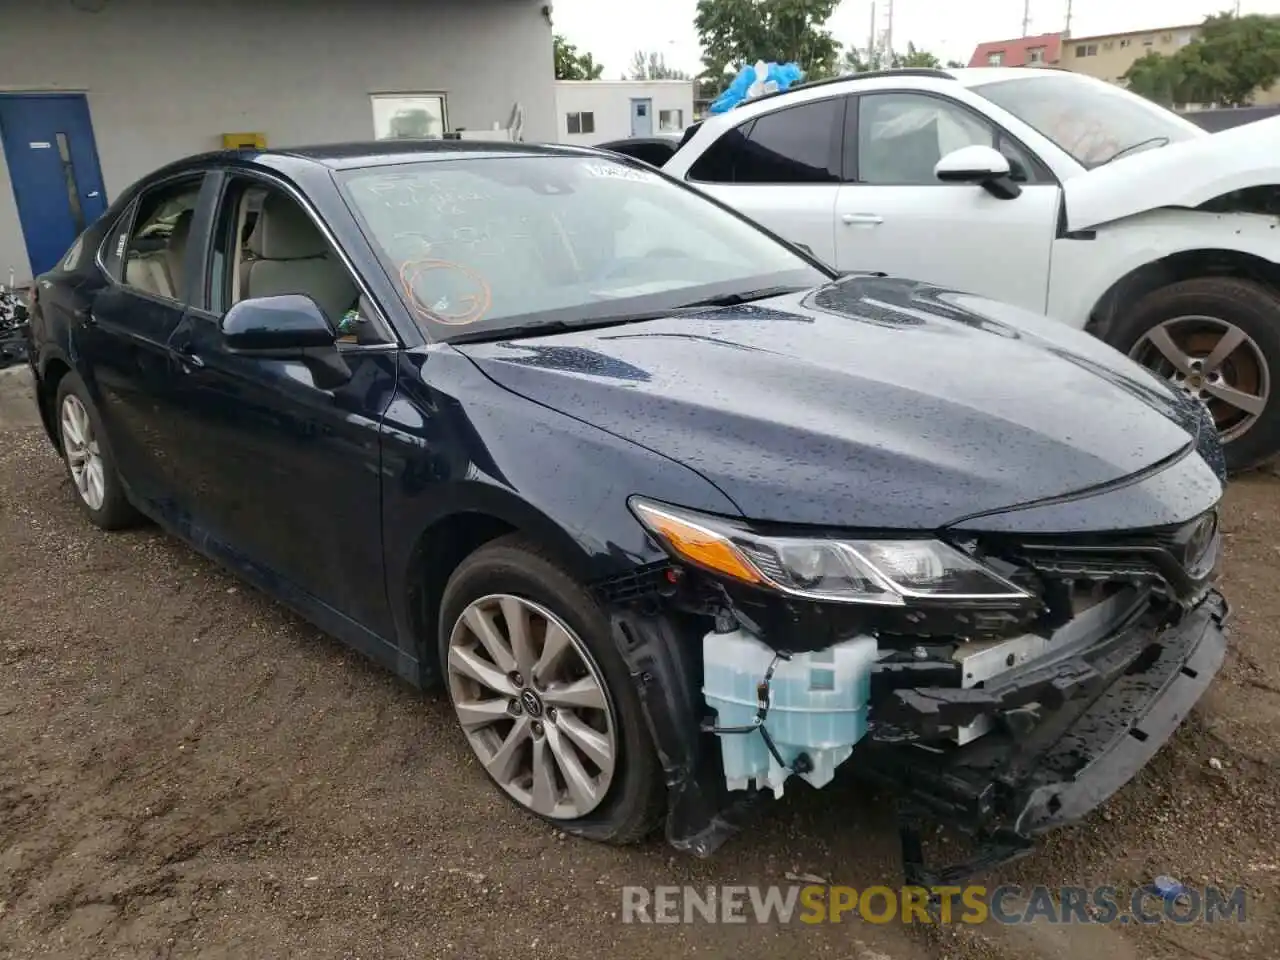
(186, 769)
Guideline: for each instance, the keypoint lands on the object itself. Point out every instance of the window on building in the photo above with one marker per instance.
(1087, 50)
(581, 122)
(1108, 44)
(670, 120)
(1148, 41)
(1035, 55)
(1166, 38)
(155, 257)
(793, 145)
(409, 116)
(1125, 42)
(995, 59)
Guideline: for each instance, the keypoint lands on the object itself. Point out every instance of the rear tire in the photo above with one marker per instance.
(512, 579)
(88, 459)
(1185, 332)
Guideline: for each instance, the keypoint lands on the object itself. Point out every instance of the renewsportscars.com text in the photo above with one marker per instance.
(814, 904)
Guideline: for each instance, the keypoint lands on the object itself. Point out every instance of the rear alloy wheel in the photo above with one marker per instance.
(84, 457)
(1217, 339)
(88, 458)
(544, 697)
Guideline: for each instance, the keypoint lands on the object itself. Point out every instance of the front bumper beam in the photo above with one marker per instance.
(1003, 789)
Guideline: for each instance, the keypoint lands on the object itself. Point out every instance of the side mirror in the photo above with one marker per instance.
(288, 324)
(972, 164)
(976, 164)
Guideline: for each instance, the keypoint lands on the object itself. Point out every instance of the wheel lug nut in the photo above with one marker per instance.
(515, 678)
(537, 729)
(551, 714)
(513, 706)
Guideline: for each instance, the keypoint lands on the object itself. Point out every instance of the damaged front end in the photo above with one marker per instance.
(1003, 684)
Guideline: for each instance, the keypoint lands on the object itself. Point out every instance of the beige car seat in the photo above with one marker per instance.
(292, 256)
(163, 272)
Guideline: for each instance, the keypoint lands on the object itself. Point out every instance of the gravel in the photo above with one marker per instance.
(187, 769)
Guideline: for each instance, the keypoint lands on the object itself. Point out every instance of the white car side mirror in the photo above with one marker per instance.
(979, 165)
(972, 164)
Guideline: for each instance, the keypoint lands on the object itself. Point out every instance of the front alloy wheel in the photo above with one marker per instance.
(533, 705)
(1215, 361)
(544, 696)
(1216, 338)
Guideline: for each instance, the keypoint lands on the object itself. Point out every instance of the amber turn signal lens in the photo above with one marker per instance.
(698, 545)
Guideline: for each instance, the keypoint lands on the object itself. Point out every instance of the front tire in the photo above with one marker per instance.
(543, 696)
(88, 458)
(1217, 338)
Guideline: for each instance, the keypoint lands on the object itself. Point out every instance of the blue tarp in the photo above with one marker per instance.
(755, 80)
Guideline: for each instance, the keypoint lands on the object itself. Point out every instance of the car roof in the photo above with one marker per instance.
(375, 153)
(966, 76)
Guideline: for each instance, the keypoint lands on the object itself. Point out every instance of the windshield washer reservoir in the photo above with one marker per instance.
(817, 706)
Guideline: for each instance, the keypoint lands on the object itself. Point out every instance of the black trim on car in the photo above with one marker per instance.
(931, 72)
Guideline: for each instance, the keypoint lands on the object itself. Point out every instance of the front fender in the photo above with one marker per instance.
(1084, 270)
(454, 442)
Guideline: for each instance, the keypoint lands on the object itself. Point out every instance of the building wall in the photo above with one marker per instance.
(1110, 57)
(609, 103)
(165, 80)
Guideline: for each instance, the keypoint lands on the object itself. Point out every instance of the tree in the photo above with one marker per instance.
(916, 58)
(857, 61)
(734, 33)
(1226, 64)
(1157, 77)
(955, 65)
(571, 65)
(1232, 58)
(653, 66)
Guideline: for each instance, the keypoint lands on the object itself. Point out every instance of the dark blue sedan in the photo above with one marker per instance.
(673, 512)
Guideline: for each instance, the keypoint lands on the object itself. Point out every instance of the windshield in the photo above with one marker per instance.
(1093, 122)
(489, 245)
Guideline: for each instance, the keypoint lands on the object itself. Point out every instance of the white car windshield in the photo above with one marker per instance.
(483, 246)
(1095, 123)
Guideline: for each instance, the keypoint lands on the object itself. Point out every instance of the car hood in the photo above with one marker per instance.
(869, 402)
(1184, 174)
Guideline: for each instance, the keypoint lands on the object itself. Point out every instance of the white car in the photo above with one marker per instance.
(1040, 188)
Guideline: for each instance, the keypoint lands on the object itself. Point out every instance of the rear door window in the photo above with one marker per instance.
(156, 252)
(797, 144)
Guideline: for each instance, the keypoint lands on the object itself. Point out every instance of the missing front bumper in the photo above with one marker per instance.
(1003, 789)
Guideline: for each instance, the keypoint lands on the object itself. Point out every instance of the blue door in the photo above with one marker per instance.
(642, 118)
(53, 165)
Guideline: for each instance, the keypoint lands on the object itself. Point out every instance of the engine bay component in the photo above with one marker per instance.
(779, 715)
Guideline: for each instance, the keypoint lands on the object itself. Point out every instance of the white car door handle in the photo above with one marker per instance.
(862, 219)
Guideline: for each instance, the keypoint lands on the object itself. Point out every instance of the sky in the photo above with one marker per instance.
(612, 30)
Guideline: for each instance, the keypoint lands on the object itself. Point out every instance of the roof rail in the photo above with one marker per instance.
(866, 75)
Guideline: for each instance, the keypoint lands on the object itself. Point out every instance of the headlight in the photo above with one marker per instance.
(887, 572)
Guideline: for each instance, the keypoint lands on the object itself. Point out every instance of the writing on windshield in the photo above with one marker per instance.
(488, 241)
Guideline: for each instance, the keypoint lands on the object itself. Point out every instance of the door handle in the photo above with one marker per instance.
(187, 357)
(91, 194)
(862, 219)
